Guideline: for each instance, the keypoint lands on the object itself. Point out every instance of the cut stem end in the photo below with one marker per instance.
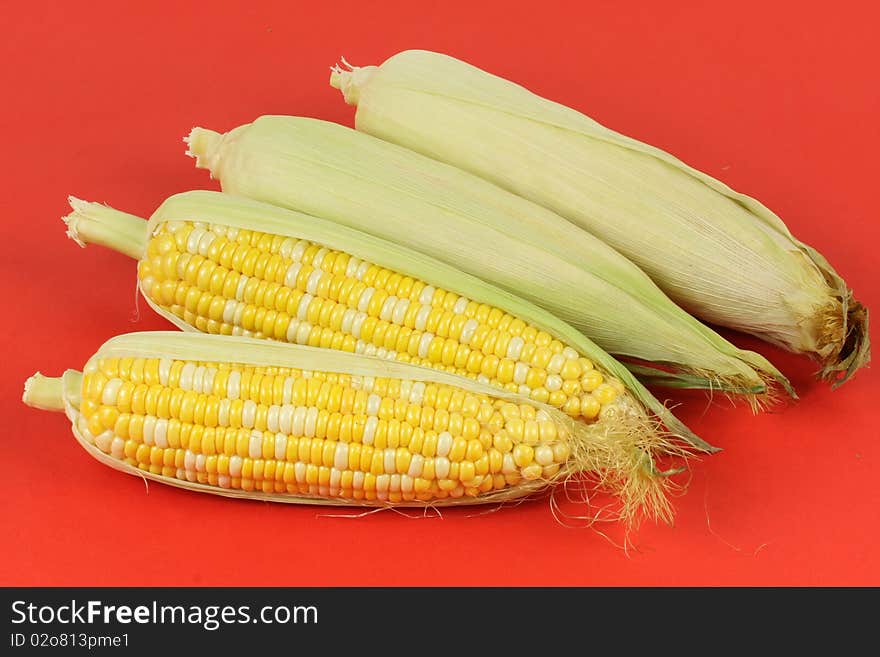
(44, 392)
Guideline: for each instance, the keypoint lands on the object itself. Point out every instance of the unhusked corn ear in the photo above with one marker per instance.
(397, 194)
(293, 278)
(720, 254)
(244, 417)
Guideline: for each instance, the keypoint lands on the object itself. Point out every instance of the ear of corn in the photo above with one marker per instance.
(251, 418)
(718, 253)
(351, 178)
(222, 264)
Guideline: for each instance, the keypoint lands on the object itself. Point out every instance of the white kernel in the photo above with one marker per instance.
(427, 295)
(233, 385)
(318, 258)
(303, 331)
(357, 324)
(285, 418)
(240, 307)
(524, 390)
(208, 380)
(405, 389)
(381, 352)
(468, 330)
(352, 268)
(369, 349)
(299, 249)
(570, 353)
(186, 376)
(418, 391)
(286, 247)
(235, 462)
(223, 413)
(347, 320)
(544, 455)
(335, 480)
(515, 347)
(149, 429)
(460, 305)
(272, 423)
(280, 446)
(192, 240)
(340, 458)
(302, 310)
(255, 446)
(508, 465)
(424, 343)
(160, 433)
(311, 424)
(520, 370)
(205, 243)
(406, 484)
(553, 382)
(364, 301)
(287, 395)
(441, 467)
(299, 472)
(444, 443)
(239, 290)
(248, 414)
(312, 283)
(201, 460)
(373, 403)
(422, 318)
(400, 310)
(390, 460)
(198, 378)
(189, 461)
(482, 378)
(291, 275)
(117, 447)
(362, 270)
(556, 363)
(383, 482)
(224, 481)
(370, 430)
(110, 392)
(388, 308)
(299, 421)
(164, 370)
(415, 465)
(147, 283)
(357, 480)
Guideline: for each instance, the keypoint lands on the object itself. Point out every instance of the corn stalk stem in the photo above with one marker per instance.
(93, 223)
(44, 392)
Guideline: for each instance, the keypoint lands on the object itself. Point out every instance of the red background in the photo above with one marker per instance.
(780, 100)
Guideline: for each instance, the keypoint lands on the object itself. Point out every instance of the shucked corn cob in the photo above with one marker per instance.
(351, 178)
(251, 418)
(720, 254)
(222, 264)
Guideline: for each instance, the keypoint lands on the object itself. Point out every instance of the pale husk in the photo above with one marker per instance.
(720, 254)
(330, 171)
(93, 222)
(618, 451)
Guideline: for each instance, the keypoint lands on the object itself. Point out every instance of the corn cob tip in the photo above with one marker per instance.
(204, 146)
(43, 392)
(349, 79)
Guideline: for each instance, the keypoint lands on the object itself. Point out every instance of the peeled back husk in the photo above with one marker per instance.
(610, 451)
(328, 170)
(99, 224)
(720, 254)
